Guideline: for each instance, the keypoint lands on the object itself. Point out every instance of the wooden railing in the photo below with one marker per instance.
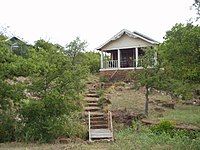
(110, 125)
(89, 125)
(110, 64)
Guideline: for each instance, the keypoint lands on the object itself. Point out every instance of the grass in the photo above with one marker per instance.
(184, 114)
(132, 100)
(126, 138)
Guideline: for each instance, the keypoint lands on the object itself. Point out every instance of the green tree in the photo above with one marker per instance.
(58, 85)
(148, 77)
(196, 5)
(74, 49)
(180, 53)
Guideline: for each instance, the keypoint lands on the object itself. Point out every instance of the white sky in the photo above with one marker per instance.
(95, 21)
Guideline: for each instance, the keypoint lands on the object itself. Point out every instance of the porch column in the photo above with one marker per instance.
(101, 59)
(136, 57)
(118, 57)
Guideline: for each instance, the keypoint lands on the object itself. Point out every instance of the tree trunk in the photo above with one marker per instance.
(146, 108)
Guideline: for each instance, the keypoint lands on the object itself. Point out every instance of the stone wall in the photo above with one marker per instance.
(117, 74)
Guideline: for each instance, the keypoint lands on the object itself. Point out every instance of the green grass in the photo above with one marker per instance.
(126, 139)
(184, 114)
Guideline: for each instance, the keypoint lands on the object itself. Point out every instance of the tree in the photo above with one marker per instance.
(180, 53)
(148, 77)
(92, 61)
(58, 85)
(74, 48)
(196, 5)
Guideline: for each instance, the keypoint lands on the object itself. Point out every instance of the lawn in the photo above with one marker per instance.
(184, 114)
(126, 139)
(133, 100)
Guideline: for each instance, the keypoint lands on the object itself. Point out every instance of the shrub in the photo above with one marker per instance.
(7, 128)
(103, 79)
(48, 119)
(163, 126)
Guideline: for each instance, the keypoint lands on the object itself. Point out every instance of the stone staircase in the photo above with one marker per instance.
(99, 122)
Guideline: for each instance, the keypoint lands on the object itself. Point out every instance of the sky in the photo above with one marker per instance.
(95, 21)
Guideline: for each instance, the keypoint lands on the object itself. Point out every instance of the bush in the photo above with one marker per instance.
(163, 126)
(103, 79)
(48, 119)
(7, 128)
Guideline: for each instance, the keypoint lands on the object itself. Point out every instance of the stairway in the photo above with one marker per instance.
(99, 122)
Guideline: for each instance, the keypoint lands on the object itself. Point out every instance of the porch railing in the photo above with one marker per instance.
(110, 64)
(123, 64)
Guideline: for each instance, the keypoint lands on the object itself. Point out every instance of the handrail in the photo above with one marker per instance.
(111, 125)
(89, 126)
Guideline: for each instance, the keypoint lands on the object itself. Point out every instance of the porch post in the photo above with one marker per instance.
(101, 59)
(118, 52)
(136, 57)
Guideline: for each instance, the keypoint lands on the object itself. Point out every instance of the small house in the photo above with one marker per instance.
(122, 53)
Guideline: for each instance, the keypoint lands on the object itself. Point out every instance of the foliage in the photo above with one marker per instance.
(196, 5)
(42, 108)
(74, 49)
(180, 54)
(164, 126)
(148, 77)
(185, 114)
(103, 79)
(146, 139)
(92, 61)
(44, 124)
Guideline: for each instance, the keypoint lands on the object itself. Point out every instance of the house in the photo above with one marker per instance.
(122, 53)
(17, 45)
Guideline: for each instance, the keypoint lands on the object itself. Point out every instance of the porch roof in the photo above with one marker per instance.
(134, 34)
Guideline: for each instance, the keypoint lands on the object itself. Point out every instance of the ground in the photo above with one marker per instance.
(124, 97)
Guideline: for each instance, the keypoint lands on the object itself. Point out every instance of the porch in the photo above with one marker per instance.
(122, 59)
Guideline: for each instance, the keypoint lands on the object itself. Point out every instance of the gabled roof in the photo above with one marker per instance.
(14, 38)
(134, 34)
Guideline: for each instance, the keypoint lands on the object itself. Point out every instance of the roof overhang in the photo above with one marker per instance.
(134, 34)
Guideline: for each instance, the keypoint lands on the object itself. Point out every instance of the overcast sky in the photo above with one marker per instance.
(95, 21)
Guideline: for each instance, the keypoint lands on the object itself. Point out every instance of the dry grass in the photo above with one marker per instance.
(132, 100)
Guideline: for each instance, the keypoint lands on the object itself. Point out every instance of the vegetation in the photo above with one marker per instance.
(148, 77)
(42, 87)
(180, 54)
(41, 97)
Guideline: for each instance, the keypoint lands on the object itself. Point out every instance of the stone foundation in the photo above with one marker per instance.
(117, 74)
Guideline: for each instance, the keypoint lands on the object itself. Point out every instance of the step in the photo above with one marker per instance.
(92, 95)
(99, 126)
(91, 99)
(93, 91)
(97, 118)
(101, 117)
(100, 133)
(95, 114)
(92, 108)
(92, 104)
(98, 122)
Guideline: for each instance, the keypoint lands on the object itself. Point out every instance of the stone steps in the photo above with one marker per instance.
(98, 118)
(92, 108)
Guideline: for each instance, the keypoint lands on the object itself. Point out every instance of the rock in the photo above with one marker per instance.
(159, 109)
(169, 105)
(118, 88)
